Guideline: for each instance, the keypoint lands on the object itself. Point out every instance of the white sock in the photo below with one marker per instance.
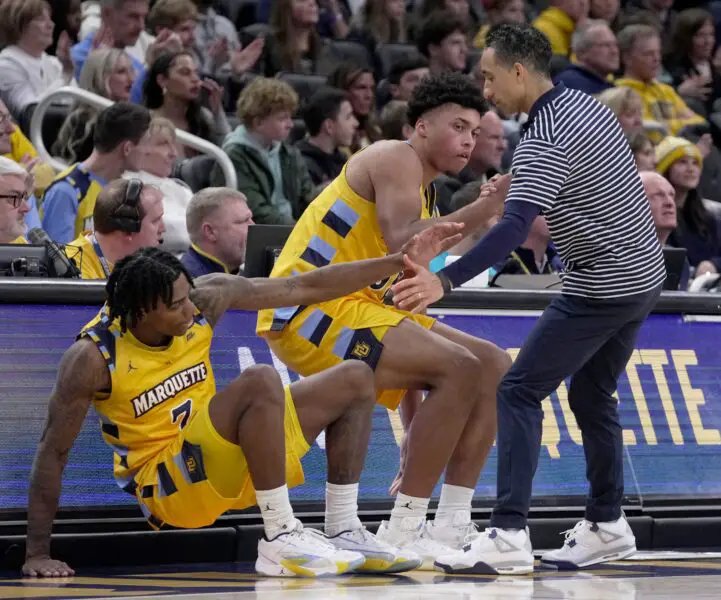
(341, 508)
(454, 500)
(276, 511)
(408, 507)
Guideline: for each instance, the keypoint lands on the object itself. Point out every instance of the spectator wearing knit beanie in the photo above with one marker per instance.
(699, 227)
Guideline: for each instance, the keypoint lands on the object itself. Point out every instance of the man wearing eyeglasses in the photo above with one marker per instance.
(16, 147)
(13, 202)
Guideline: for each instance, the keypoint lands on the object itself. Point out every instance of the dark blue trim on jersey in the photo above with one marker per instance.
(547, 98)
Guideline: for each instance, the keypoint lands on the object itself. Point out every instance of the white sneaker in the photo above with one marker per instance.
(493, 552)
(303, 553)
(592, 543)
(412, 535)
(460, 532)
(380, 556)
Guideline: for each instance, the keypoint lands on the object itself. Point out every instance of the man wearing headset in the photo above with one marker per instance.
(128, 215)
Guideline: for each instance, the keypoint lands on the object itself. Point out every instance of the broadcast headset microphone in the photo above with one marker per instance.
(62, 265)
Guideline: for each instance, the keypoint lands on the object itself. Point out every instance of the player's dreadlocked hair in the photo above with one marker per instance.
(139, 281)
(447, 88)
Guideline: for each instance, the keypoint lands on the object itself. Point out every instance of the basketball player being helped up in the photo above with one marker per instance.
(189, 453)
(379, 201)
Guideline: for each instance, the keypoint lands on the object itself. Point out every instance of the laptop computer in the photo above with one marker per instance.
(675, 261)
(263, 247)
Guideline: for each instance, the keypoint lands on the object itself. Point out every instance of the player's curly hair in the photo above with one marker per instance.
(447, 88)
(139, 281)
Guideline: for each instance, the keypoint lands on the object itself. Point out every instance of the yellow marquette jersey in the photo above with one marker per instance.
(339, 226)
(82, 250)
(86, 190)
(154, 394)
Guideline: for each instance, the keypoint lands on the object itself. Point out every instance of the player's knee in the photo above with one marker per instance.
(463, 367)
(261, 382)
(358, 377)
(498, 363)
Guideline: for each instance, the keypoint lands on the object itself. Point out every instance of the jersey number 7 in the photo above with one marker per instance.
(181, 413)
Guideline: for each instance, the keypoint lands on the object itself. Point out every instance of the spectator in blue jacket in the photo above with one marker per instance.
(597, 57)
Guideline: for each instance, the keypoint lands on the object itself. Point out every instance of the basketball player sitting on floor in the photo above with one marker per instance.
(189, 453)
(378, 202)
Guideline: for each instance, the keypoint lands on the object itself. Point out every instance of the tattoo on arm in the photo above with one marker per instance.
(81, 375)
(212, 294)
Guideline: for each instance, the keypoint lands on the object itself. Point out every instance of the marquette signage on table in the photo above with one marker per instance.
(670, 405)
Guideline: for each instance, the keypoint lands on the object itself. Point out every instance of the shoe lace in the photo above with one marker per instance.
(471, 533)
(368, 537)
(317, 536)
(569, 534)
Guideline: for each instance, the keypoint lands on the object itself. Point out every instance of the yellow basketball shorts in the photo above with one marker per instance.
(350, 328)
(201, 475)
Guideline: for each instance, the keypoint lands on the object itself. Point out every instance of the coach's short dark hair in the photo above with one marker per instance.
(515, 43)
(437, 27)
(120, 123)
(404, 65)
(447, 88)
(324, 104)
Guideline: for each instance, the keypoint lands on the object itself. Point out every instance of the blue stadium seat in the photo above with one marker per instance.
(389, 54)
(353, 52)
(304, 85)
(195, 171)
(298, 132)
(249, 33)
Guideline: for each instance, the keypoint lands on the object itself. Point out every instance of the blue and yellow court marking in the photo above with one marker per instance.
(216, 580)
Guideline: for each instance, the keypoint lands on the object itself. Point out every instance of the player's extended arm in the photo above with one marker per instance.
(81, 374)
(218, 292)
(396, 184)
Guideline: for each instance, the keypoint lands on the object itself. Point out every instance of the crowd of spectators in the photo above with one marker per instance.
(289, 89)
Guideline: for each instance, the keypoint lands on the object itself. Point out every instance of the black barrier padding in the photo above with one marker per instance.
(685, 532)
(131, 549)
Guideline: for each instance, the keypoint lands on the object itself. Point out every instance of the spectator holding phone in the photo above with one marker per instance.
(174, 90)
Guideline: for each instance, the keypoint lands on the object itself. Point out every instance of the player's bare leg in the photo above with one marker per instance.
(250, 412)
(454, 426)
(341, 401)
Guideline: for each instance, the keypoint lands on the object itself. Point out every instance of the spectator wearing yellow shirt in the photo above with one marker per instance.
(128, 215)
(16, 147)
(24, 152)
(13, 202)
(640, 47)
(558, 22)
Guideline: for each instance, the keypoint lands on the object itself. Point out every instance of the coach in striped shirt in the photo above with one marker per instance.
(573, 166)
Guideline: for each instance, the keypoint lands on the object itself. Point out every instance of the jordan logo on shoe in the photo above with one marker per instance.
(571, 543)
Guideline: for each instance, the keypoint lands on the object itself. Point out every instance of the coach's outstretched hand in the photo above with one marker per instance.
(423, 247)
(417, 293)
(44, 566)
(494, 192)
